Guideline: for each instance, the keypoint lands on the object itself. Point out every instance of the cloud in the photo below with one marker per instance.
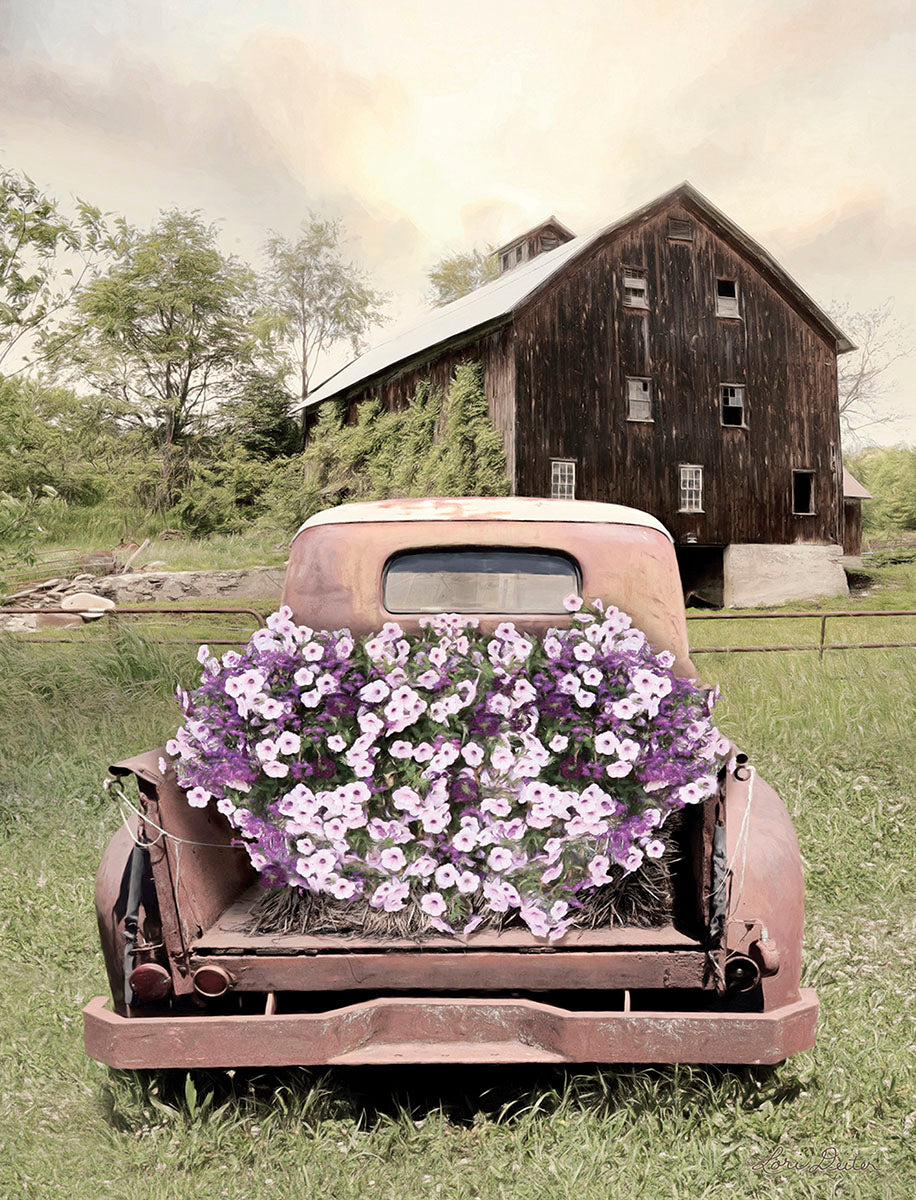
(861, 233)
(281, 131)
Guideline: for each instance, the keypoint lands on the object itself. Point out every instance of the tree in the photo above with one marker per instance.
(889, 473)
(163, 333)
(313, 299)
(863, 374)
(44, 258)
(258, 415)
(458, 274)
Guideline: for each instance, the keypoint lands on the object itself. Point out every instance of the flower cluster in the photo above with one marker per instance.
(454, 771)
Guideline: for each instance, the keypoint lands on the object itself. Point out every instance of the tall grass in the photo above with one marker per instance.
(836, 739)
(77, 530)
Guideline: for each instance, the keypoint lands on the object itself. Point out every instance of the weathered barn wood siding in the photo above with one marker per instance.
(852, 533)
(494, 350)
(576, 344)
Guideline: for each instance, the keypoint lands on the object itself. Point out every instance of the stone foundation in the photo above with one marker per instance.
(757, 574)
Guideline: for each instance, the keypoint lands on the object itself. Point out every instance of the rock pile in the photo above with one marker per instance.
(51, 594)
(87, 596)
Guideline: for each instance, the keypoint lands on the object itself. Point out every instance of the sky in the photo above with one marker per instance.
(431, 127)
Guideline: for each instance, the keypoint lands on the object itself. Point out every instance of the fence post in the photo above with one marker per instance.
(820, 652)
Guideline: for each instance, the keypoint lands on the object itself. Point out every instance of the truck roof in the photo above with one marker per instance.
(484, 508)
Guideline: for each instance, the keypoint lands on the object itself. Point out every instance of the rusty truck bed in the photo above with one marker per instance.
(513, 959)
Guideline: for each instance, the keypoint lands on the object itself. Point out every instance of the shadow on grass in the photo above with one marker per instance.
(464, 1095)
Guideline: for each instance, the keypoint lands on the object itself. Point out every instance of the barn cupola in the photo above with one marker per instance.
(546, 236)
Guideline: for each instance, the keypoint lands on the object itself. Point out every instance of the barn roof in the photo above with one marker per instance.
(494, 303)
(520, 237)
(852, 489)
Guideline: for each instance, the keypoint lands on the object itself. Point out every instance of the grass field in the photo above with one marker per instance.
(836, 738)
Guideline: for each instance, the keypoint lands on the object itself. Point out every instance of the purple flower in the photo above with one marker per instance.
(511, 775)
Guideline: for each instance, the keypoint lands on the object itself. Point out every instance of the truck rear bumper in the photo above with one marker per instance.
(453, 1030)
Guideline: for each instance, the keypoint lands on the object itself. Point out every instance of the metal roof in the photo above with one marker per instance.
(494, 303)
(852, 489)
(490, 303)
(484, 508)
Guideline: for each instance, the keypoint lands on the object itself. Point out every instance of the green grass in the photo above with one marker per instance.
(838, 741)
(876, 590)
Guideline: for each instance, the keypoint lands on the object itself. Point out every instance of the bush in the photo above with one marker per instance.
(440, 445)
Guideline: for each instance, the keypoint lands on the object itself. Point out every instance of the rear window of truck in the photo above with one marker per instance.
(484, 579)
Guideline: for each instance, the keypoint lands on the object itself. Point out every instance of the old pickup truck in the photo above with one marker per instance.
(716, 980)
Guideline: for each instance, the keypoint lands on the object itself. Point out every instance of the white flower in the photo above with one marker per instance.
(392, 859)
(499, 858)
(289, 742)
(606, 743)
(433, 904)
(446, 876)
(275, 770)
(472, 754)
(468, 883)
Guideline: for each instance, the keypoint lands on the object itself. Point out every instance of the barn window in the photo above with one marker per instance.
(731, 404)
(635, 288)
(504, 262)
(519, 251)
(690, 498)
(562, 479)
(680, 231)
(803, 493)
(639, 399)
(549, 241)
(727, 298)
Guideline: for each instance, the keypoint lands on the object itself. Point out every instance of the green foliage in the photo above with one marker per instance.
(458, 274)
(259, 417)
(52, 437)
(437, 446)
(313, 299)
(222, 493)
(43, 258)
(469, 459)
(53, 440)
(889, 473)
(20, 525)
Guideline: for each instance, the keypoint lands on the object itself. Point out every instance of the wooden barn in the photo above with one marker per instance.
(666, 362)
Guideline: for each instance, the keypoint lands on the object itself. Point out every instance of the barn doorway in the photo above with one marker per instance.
(702, 575)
